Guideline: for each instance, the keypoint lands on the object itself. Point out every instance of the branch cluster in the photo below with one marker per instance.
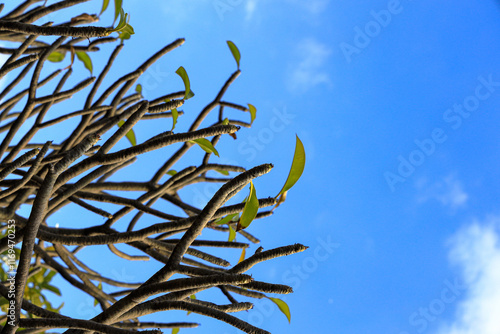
(47, 176)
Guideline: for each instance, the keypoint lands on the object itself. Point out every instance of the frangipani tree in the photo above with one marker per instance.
(48, 175)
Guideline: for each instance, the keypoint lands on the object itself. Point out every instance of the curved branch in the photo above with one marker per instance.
(30, 29)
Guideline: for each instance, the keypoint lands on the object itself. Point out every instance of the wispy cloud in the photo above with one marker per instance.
(309, 68)
(449, 192)
(250, 7)
(311, 7)
(475, 249)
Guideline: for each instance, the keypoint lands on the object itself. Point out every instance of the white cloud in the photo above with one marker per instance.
(250, 7)
(309, 70)
(475, 249)
(449, 192)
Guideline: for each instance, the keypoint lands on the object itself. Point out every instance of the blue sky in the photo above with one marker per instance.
(395, 102)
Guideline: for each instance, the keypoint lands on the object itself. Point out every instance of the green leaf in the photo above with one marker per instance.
(232, 234)
(57, 309)
(118, 9)
(191, 297)
(126, 32)
(123, 26)
(105, 4)
(38, 277)
(85, 59)
(49, 276)
(206, 145)
(223, 172)
(50, 288)
(175, 330)
(249, 210)
(298, 163)
(100, 288)
(172, 172)
(138, 88)
(187, 87)
(225, 121)
(282, 306)
(226, 219)
(175, 115)
(56, 57)
(189, 95)
(130, 135)
(235, 52)
(253, 112)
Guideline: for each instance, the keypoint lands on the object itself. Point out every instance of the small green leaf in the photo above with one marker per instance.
(191, 297)
(298, 163)
(123, 25)
(85, 59)
(253, 112)
(283, 307)
(57, 309)
(175, 115)
(56, 57)
(50, 288)
(223, 172)
(226, 219)
(49, 276)
(232, 234)
(130, 135)
(206, 145)
(172, 172)
(225, 121)
(138, 88)
(175, 330)
(100, 288)
(189, 95)
(183, 74)
(118, 9)
(249, 210)
(235, 52)
(105, 4)
(126, 32)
